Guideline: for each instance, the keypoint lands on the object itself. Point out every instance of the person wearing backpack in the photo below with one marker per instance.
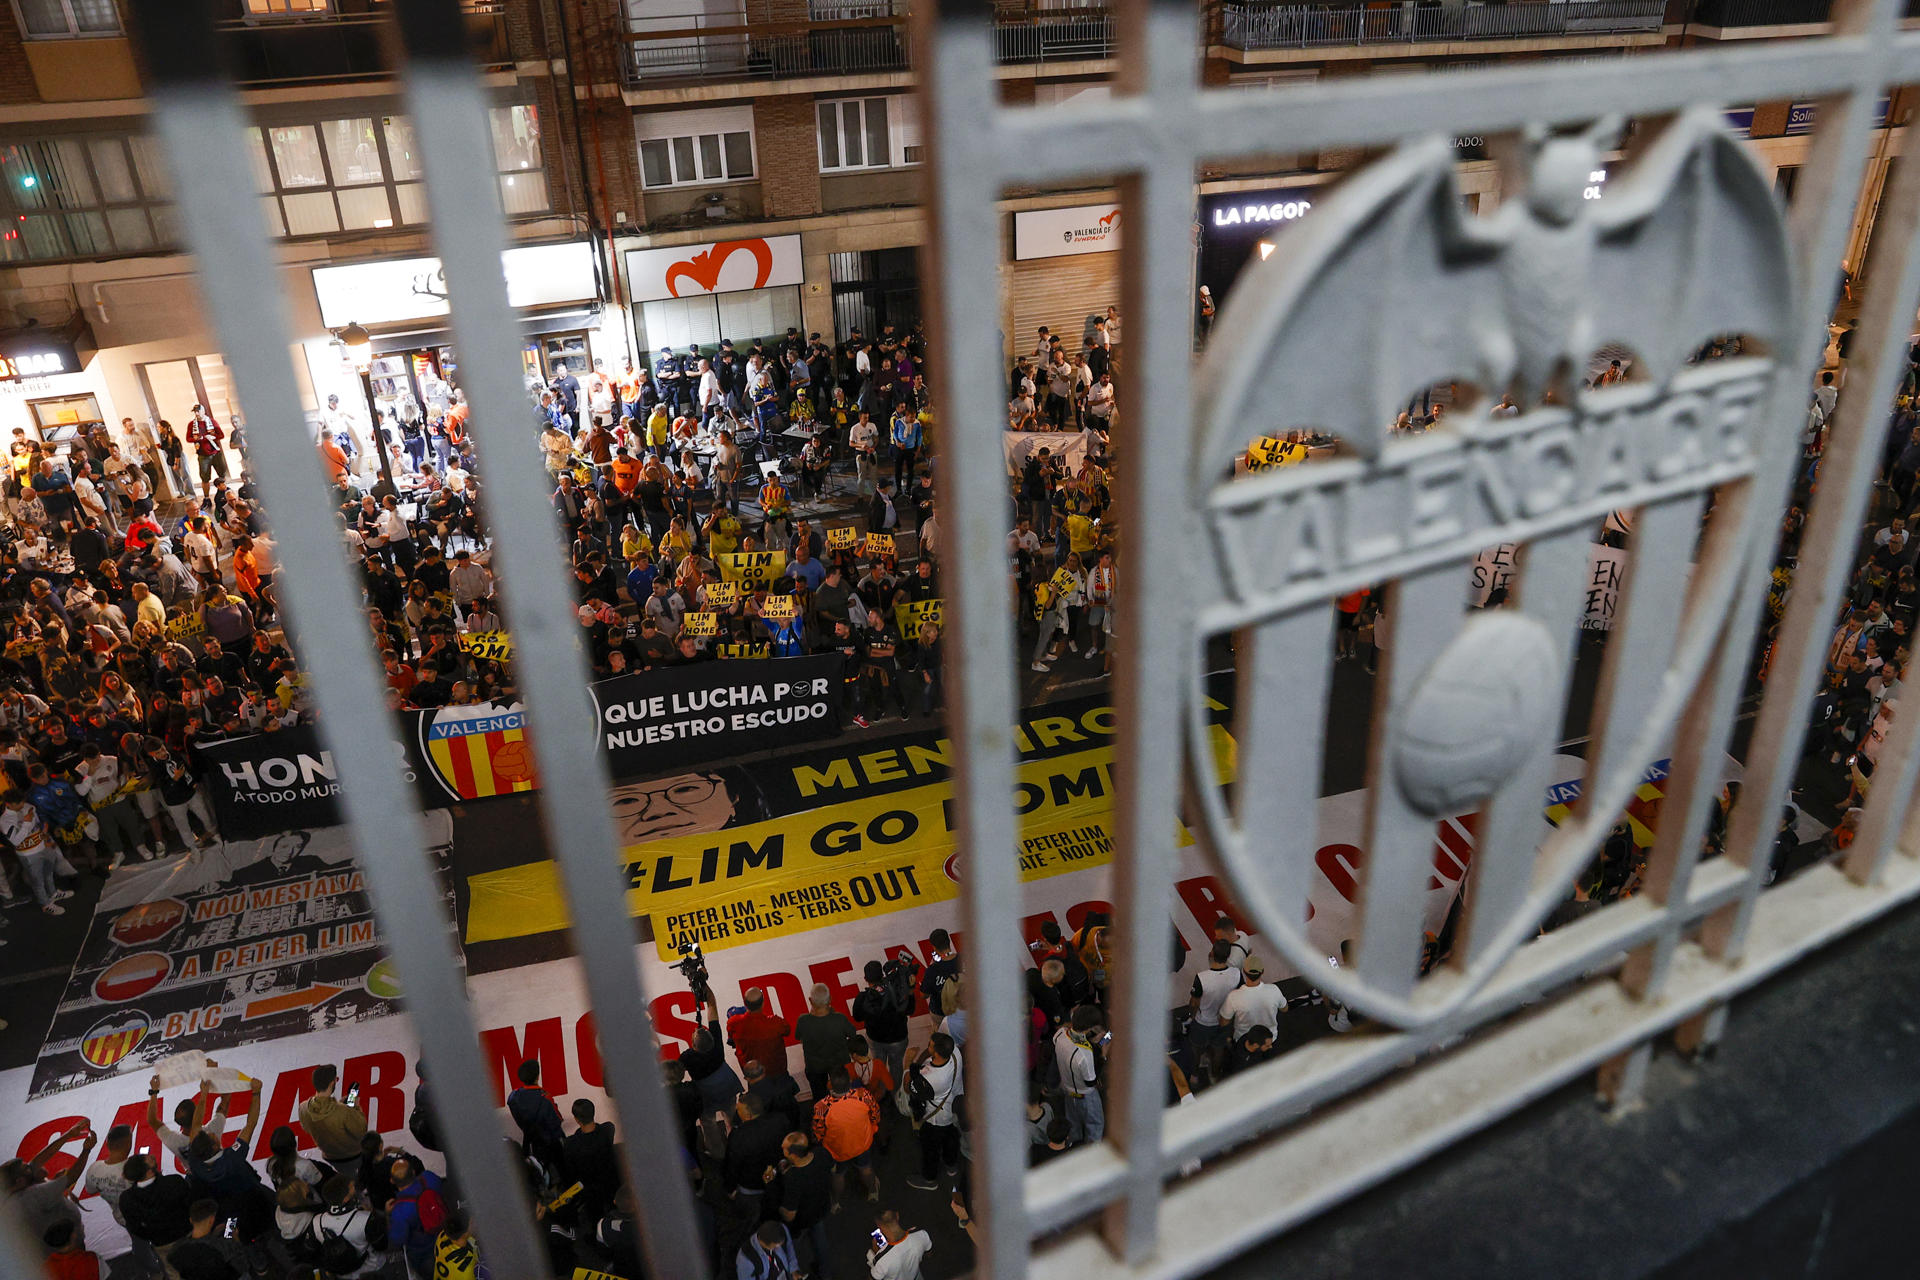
(415, 1214)
(934, 1088)
(942, 970)
(883, 1008)
(353, 1238)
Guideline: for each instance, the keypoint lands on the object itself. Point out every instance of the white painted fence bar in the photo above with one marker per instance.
(201, 124)
(1343, 1113)
(449, 109)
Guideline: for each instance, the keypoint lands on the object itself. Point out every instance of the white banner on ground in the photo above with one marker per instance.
(540, 1011)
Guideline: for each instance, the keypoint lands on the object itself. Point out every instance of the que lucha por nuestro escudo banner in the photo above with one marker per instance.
(649, 721)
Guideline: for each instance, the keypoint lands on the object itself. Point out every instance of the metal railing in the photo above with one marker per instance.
(321, 47)
(1510, 1017)
(1761, 13)
(1071, 34)
(1294, 26)
(747, 56)
(851, 38)
(1169, 1192)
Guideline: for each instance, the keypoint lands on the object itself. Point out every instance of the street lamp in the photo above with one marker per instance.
(359, 344)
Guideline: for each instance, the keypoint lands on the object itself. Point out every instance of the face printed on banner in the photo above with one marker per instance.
(688, 804)
(286, 847)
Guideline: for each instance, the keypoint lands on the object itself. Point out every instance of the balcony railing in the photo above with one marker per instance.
(1053, 34)
(844, 37)
(1295, 26)
(735, 54)
(320, 47)
(1761, 13)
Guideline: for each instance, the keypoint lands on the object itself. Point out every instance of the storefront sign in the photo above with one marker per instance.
(1059, 233)
(538, 275)
(723, 266)
(1257, 209)
(40, 352)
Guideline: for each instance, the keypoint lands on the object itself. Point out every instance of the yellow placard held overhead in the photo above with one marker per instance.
(700, 625)
(757, 570)
(843, 538)
(779, 608)
(494, 646)
(879, 544)
(722, 595)
(185, 626)
(1270, 453)
(911, 616)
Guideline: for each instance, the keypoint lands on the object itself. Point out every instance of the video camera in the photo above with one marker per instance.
(693, 967)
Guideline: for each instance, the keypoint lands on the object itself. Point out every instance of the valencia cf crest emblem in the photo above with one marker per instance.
(1392, 288)
(110, 1040)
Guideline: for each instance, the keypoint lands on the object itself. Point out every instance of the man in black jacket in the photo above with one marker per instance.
(155, 1207)
(882, 1008)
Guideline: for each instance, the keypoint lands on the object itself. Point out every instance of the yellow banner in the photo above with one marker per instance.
(722, 595)
(1269, 453)
(779, 608)
(853, 859)
(185, 626)
(700, 625)
(879, 544)
(494, 646)
(743, 650)
(910, 616)
(756, 569)
(843, 538)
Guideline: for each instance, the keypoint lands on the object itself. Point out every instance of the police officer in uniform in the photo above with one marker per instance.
(667, 371)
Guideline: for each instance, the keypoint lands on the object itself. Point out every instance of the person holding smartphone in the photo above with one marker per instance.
(336, 1127)
(897, 1250)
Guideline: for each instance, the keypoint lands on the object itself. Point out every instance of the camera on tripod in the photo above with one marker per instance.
(693, 967)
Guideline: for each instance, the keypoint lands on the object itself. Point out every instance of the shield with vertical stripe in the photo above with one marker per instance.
(110, 1040)
(478, 751)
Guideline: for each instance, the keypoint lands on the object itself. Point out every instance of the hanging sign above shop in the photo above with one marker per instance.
(1059, 233)
(1257, 209)
(722, 266)
(396, 290)
(39, 352)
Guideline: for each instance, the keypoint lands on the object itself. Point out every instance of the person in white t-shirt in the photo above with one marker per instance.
(899, 1257)
(1211, 987)
(940, 1068)
(1253, 1003)
(23, 828)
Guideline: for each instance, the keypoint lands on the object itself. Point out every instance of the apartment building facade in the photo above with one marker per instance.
(676, 171)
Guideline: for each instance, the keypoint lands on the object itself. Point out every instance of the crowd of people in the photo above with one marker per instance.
(789, 1167)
